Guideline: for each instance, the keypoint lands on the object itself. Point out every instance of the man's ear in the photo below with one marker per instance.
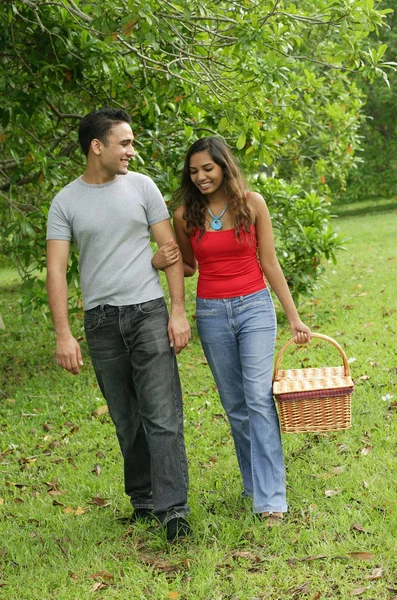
(96, 146)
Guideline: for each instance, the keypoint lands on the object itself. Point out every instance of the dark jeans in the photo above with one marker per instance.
(138, 375)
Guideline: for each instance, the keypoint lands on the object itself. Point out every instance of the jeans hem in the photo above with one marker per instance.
(173, 514)
(271, 509)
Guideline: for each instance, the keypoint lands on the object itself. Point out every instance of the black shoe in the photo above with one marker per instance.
(142, 514)
(177, 528)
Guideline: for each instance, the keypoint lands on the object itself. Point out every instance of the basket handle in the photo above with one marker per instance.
(315, 335)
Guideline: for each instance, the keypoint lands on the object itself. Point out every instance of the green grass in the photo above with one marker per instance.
(56, 459)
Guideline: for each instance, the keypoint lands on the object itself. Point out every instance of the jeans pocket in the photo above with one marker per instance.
(201, 313)
(153, 306)
(91, 321)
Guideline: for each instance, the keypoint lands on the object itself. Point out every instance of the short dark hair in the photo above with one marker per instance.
(97, 125)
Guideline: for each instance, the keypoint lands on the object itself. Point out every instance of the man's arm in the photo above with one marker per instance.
(178, 326)
(68, 351)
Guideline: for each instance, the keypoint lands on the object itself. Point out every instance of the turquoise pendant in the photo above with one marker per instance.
(216, 224)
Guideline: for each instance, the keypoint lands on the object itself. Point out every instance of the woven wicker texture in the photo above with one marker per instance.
(313, 399)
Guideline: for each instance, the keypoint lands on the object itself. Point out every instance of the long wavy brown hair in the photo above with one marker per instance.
(196, 203)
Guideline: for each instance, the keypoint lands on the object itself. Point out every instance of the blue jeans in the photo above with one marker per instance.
(137, 372)
(238, 337)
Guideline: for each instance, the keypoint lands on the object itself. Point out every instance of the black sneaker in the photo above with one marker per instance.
(177, 528)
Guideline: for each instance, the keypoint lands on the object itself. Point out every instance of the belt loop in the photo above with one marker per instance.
(102, 311)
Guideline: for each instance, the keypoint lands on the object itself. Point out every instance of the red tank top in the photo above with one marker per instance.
(228, 267)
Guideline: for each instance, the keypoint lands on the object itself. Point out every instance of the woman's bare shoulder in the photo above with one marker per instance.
(178, 212)
(255, 199)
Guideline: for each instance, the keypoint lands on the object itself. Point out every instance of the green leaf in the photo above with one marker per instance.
(241, 141)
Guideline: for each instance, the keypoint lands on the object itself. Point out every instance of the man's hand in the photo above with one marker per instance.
(166, 256)
(178, 332)
(68, 354)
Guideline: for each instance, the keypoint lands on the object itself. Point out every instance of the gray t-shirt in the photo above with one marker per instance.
(110, 224)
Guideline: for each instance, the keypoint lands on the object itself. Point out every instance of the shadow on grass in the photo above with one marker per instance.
(366, 207)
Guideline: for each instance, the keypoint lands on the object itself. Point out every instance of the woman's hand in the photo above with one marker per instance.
(166, 256)
(300, 332)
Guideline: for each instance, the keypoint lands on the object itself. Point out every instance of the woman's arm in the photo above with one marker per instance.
(185, 246)
(169, 253)
(271, 267)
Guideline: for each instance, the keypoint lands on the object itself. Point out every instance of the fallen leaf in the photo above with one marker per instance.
(99, 586)
(361, 555)
(97, 470)
(56, 492)
(72, 511)
(330, 493)
(366, 450)
(376, 574)
(316, 596)
(299, 589)
(54, 444)
(102, 410)
(315, 557)
(102, 575)
(28, 459)
(359, 591)
(64, 550)
(337, 470)
(98, 501)
(364, 377)
(174, 595)
(1, 501)
(18, 500)
(368, 325)
(249, 555)
(56, 503)
(343, 448)
(365, 484)
(358, 527)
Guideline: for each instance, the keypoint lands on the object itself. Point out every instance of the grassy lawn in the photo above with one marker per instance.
(61, 484)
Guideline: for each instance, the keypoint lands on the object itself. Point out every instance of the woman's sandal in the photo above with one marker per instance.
(272, 519)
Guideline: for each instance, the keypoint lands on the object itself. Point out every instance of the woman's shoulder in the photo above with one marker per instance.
(178, 212)
(254, 198)
(256, 203)
(178, 219)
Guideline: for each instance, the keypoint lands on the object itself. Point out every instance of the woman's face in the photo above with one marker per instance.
(206, 174)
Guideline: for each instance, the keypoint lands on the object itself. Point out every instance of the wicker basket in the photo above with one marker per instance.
(313, 400)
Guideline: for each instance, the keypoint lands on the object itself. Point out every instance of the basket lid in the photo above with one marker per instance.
(306, 382)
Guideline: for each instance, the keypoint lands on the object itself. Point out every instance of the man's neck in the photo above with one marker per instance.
(95, 176)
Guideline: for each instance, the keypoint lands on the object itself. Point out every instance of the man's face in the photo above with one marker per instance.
(117, 150)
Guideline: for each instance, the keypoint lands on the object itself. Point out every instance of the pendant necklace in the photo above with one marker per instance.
(216, 223)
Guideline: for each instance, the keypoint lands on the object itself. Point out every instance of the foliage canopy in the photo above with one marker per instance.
(376, 173)
(274, 78)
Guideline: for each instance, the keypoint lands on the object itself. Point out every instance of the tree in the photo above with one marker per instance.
(277, 81)
(376, 172)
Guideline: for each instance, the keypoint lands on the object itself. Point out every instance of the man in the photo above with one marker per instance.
(109, 213)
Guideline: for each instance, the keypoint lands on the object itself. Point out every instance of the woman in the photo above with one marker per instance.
(227, 232)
